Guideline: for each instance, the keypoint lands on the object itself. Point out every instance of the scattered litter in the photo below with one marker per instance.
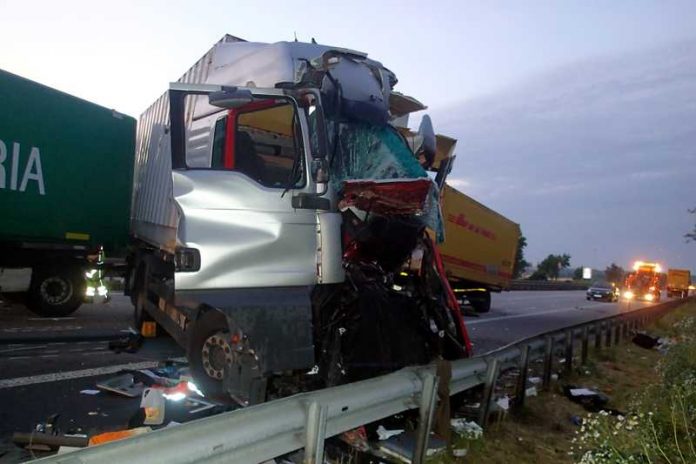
(402, 446)
(534, 380)
(107, 437)
(459, 453)
(531, 391)
(385, 434)
(644, 340)
(89, 392)
(576, 420)
(123, 385)
(93, 413)
(591, 400)
(503, 403)
(153, 403)
(128, 344)
(467, 429)
(554, 377)
(357, 438)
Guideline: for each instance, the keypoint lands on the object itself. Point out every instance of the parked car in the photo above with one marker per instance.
(603, 291)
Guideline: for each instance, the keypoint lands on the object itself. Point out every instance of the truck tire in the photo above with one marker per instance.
(208, 352)
(481, 301)
(56, 291)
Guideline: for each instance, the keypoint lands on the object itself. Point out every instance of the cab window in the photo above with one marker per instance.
(263, 141)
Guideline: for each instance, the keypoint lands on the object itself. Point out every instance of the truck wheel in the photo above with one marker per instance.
(208, 352)
(56, 292)
(481, 301)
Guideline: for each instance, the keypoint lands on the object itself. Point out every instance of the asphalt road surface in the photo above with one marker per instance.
(46, 363)
(517, 315)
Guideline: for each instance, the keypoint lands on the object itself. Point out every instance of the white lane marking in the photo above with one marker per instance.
(48, 356)
(10, 350)
(13, 358)
(43, 378)
(538, 313)
(51, 319)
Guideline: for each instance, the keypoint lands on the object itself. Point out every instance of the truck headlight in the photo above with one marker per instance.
(628, 295)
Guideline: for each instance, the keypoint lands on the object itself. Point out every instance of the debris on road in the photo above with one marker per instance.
(385, 434)
(466, 429)
(404, 445)
(592, 400)
(107, 437)
(124, 384)
(128, 344)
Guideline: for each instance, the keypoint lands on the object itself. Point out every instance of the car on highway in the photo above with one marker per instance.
(603, 291)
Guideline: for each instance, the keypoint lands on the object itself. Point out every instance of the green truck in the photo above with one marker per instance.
(66, 175)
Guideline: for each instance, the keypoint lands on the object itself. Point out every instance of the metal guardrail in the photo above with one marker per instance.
(263, 432)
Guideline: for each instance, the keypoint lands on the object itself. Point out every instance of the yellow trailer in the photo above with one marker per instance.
(678, 282)
(479, 248)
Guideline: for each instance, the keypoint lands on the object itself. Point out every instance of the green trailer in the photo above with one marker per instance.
(66, 176)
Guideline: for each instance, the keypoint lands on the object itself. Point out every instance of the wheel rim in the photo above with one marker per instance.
(215, 354)
(56, 290)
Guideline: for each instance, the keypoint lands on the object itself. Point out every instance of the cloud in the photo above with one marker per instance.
(597, 159)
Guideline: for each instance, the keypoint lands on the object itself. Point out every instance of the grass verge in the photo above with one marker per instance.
(657, 392)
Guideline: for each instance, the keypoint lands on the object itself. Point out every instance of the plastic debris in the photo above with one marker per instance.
(128, 344)
(124, 385)
(467, 429)
(357, 438)
(402, 446)
(576, 420)
(531, 391)
(117, 435)
(503, 403)
(590, 399)
(459, 453)
(153, 404)
(385, 434)
(534, 380)
(89, 392)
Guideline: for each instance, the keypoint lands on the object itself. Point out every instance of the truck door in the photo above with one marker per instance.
(243, 167)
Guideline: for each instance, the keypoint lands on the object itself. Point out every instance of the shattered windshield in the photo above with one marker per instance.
(363, 151)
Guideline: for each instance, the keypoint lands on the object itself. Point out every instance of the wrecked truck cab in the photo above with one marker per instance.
(258, 247)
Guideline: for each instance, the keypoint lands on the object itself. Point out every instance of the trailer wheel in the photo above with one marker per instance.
(209, 351)
(481, 301)
(56, 292)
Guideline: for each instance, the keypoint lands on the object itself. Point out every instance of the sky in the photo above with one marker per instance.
(571, 115)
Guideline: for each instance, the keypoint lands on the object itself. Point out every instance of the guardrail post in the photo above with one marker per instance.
(585, 341)
(315, 433)
(569, 351)
(521, 390)
(617, 333)
(548, 363)
(488, 389)
(609, 335)
(425, 418)
(598, 336)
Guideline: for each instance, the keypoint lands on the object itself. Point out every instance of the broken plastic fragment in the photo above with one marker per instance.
(385, 434)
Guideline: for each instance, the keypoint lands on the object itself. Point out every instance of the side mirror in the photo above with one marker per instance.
(320, 170)
(230, 98)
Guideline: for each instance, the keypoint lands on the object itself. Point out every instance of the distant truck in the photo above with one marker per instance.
(678, 282)
(644, 283)
(66, 171)
(479, 248)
